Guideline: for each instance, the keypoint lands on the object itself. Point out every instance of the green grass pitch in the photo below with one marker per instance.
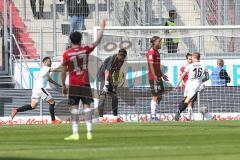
(213, 140)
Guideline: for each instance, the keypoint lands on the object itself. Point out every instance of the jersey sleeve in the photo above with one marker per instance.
(64, 59)
(109, 63)
(150, 57)
(187, 69)
(89, 48)
(182, 69)
(44, 70)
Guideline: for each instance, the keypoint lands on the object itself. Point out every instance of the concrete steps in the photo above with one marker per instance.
(21, 34)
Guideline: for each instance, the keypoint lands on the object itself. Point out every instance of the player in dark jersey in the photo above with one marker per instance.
(75, 61)
(105, 85)
(155, 75)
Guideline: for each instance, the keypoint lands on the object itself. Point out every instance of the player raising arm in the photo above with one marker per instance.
(197, 74)
(75, 61)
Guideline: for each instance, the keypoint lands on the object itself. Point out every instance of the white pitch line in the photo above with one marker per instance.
(163, 147)
(98, 149)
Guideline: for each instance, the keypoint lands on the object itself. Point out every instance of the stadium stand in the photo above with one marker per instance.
(28, 29)
(21, 33)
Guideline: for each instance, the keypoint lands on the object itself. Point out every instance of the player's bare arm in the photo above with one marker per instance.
(183, 83)
(53, 82)
(59, 69)
(180, 79)
(100, 35)
(107, 74)
(63, 79)
(165, 78)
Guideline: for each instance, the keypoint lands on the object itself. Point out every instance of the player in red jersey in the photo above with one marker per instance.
(189, 61)
(75, 61)
(155, 75)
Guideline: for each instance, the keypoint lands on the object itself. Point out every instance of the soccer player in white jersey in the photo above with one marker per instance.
(40, 91)
(197, 74)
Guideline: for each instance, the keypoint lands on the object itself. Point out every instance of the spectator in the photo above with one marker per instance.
(219, 75)
(77, 10)
(172, 43)
(33, 6)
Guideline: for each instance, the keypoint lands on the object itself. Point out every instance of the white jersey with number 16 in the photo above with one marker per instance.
(195, 71)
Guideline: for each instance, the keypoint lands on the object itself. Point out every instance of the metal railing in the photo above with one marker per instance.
(20, 63)
(137, 13)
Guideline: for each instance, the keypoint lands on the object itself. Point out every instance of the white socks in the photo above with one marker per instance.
(190, 113)
(89, 126)
(153, 107)
(88, 115)
(88, 121)
(96, 101)
(75, 119)
(75, 127)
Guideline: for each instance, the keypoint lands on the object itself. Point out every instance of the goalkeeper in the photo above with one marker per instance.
(108, 73)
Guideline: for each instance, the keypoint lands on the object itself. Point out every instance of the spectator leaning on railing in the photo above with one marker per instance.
(77, 10)
(219, 75)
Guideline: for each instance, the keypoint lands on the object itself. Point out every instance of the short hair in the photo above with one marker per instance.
(172, 12)
(76, 38)
(188, 55)
(45, 58)
(123, 52)
(221, 61)
(153, 39)
(196, 55)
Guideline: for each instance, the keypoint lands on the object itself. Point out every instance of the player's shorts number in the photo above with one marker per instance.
(111, 46)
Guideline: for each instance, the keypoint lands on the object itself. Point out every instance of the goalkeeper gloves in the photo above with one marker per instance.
(105, 88)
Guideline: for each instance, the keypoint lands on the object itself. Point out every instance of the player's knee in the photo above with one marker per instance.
(96, 102)
(155, 98)
(51, 101)
(187, 100)
(34, 106)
